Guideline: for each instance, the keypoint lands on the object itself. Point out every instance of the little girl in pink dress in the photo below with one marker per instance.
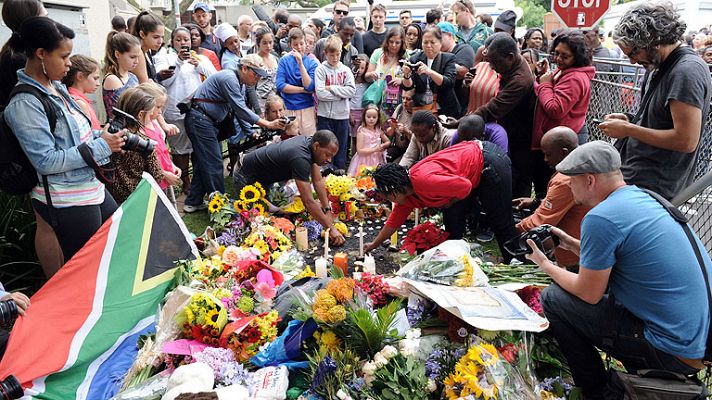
(371, 142)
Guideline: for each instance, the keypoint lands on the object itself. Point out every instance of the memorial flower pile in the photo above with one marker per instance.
(423, 237)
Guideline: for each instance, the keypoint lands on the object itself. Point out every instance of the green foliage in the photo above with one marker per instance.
(401, 378)
(19, 269)
(366, 333)
(346, 362)
(534, 11)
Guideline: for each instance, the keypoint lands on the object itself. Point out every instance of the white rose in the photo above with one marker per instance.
(369, 369)
(408, 347)
(389, 352)
(432, 386)
(412, 333)
(380, 360)
(343, 395)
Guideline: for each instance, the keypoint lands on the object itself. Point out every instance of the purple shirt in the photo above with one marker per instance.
(494, 133)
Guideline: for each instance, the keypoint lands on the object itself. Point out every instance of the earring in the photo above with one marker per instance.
(43, 67)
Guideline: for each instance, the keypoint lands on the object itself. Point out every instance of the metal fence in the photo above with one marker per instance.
(613, 92)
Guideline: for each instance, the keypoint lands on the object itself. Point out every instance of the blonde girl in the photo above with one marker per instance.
(122, 55)
(130, 165)
(84, 78)
(371, 142)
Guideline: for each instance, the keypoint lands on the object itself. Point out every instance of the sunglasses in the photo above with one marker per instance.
(342, 12)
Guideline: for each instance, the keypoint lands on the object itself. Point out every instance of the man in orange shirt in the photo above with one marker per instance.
(558, 207)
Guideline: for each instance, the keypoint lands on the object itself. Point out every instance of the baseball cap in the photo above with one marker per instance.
(597, 157)
(447, 27)
(255, 63)
(201, 6)
(224, 31)
(506, 21)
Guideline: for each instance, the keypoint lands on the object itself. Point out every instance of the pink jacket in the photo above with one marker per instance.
(563, 102)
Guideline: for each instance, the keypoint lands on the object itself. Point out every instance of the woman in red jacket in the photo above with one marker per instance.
(563, 96)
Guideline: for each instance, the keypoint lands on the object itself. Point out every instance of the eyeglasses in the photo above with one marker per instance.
(342, 12)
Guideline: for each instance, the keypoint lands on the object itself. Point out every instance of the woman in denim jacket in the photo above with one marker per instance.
(80, 203)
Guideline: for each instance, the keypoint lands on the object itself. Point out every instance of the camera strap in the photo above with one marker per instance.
(105, 174)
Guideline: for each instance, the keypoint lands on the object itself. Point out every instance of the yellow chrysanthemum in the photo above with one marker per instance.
(324, 299)
(262, 246)
(341, 227)
(329, 342)
(214, 206)
(307, 272)
(211, 318)
(249, 194)
(336, 314)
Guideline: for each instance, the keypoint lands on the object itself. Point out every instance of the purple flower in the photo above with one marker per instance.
(227, 238)
(556, 386)
(227, 371)
(314, 229)
(416, 314)
(326, 367)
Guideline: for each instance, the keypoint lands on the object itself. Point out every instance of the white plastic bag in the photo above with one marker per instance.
(272, 383)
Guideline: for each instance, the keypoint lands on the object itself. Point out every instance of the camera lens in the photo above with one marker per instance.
(11, 389)
(8, 311)
(138, 144)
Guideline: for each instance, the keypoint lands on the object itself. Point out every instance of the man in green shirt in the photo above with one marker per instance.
(470, 31)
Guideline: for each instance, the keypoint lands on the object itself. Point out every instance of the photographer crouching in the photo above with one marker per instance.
(655, 314)
(218, 111)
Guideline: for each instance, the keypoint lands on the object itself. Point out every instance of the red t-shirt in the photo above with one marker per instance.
(449, 174)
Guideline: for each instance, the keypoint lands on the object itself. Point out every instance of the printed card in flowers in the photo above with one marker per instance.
(449, 263)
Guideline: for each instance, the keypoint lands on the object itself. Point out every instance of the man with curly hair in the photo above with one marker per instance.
(658, 145)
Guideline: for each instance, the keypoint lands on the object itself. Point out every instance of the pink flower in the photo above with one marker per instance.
(265, 290)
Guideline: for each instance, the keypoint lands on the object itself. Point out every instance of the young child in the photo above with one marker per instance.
(82, 79)
(171, 173)
(355, 102)
(230, 54)
(295, 83)
(371, 142)
(123, 52)
(130, 164)
(334, 86)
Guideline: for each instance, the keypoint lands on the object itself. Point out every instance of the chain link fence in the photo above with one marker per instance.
(619, 91)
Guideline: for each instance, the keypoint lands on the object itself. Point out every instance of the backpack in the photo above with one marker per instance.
(17, 175)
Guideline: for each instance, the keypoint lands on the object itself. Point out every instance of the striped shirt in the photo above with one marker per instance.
(484, 86)
(75, 194)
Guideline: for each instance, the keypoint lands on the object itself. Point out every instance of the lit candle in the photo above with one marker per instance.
(417, 216)
(302, 239)
(320, 266)
(360, 240)
(326, 244)
(341, 260)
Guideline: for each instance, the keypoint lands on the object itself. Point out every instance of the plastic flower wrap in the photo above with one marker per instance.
(246, 335)
(479, 373)
(423, 237)
(203, 318)
(449, 263)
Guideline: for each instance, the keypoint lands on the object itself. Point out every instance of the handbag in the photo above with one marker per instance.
(374, 93)
(651, 384)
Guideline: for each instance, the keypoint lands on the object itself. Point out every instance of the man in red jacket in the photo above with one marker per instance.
(450, 179)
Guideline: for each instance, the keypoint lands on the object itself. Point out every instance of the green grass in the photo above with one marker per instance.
(198, 221)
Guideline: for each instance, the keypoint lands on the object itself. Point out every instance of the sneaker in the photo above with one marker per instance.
(485, 236)
(188, 209)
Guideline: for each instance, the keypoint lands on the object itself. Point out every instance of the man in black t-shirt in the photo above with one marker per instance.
(659, 149)
(464, 60)
(374, 38)
(298, 158)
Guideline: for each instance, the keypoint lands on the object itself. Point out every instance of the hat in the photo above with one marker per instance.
(255, 63)
(506, 21)
(447, 27)
(201, 6)
(224, 31)
(597, 157)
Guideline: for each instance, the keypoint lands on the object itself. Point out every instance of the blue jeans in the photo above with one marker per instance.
(208, 173)
(495, 195)
(340, 128)
(580, 327)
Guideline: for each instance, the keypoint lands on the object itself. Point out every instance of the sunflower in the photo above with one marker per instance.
(249, 194)
(259, 207)
(261, 189)
(214, 206)
(211, 318)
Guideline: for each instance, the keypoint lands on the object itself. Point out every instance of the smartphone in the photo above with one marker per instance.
(596, 121)
(473, 70)
(172, 67)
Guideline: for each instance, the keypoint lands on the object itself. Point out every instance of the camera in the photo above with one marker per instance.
(8, 311)
(10, 388)
(409, 64)
(134, 142)
(542, 237)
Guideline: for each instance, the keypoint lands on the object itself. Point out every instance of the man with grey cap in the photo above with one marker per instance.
(221, 97)
(633, 247)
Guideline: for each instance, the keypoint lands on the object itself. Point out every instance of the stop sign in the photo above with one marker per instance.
(580, 14)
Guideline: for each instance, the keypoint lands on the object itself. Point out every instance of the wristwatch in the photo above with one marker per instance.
(326, 209)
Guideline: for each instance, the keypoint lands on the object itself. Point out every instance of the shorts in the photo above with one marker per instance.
(180, 143)
(306, 120)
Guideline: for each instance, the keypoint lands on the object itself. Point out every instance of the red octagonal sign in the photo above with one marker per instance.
(580, 14)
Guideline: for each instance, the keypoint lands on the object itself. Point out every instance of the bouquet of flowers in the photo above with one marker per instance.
(375, 288)
(423, 237)
(252, 197)
(226, 369)
(203, 318)
(270, 241)
(328, 306)
(449, 263)
(531, 295)
(395, 376)
(246, 335)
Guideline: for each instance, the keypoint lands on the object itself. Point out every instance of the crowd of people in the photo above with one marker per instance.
(454, 112)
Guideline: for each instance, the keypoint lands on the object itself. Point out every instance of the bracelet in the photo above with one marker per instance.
(326, 209)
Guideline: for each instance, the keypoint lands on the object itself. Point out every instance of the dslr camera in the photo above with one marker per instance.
(8, 311)
(261, 135)
(409, 64)
(542, 236)
(134, 142)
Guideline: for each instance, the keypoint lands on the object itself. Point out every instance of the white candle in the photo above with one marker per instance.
(360, 240)
(302, 239)
(369, 264)
(320, 266)
(417, 216)
(326, 244)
